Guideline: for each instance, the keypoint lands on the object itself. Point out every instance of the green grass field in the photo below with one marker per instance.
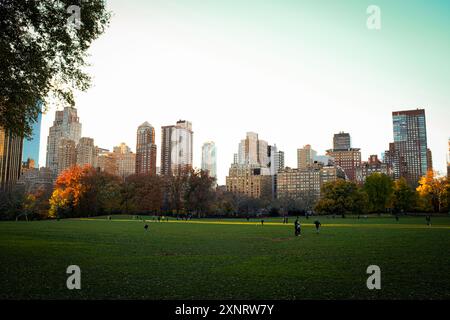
(225, 259)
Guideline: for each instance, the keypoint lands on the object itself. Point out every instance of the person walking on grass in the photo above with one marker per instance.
(317, 224)
(146, 227)
(297, 227)
(428, 219)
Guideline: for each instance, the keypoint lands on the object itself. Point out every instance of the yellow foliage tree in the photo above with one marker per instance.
(432, 191)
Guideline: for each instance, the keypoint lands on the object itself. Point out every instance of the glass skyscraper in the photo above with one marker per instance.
(31, 145)
(410, 140)
(209, 158)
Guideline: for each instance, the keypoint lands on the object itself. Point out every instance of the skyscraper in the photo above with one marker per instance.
(410, 142)
(107, 162)
(341, 141)
(305, 157)
(10, 159)
(346, 157)
(166, 149)
(86, 152)
(247, 180)
(176, 147)
(146, 149)
(209, 158)
(253, 151)
(122, 148)
(279, 161)
(66, 154)
(276, 160)
(276, 164)
(31, 145)
(125, 160)
(66, 125)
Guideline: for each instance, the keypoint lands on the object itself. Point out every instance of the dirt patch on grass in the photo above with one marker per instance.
(281, 239)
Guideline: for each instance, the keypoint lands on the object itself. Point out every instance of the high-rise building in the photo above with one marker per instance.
(254, 182)
(277, 160)
(86, 152)
(209, 158)
(373, 165)
(166, 149)
(66, 125)
(31, 144)
(305, 157)
(146, 149)
(276, 164)
(66, 154)
(253, 172)
(344, 156)
(410, 144)
(429, 160)
(306, 183)
(253, 151)
(395, 161)
(176, 147)
(341, 141)
(107, 162)
(125, 160)
(122, 148)
(10, 159)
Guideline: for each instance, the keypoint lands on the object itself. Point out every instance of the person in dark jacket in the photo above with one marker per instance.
(298, 227)
(317, 224)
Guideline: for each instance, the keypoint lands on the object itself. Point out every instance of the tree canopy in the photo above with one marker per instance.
(341, 197)
(379, 189)
(42, 54)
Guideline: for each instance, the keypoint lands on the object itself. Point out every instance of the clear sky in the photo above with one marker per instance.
(296, 72)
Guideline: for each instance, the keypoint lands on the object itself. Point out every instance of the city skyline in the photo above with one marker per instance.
(250, 150)
(268, 69)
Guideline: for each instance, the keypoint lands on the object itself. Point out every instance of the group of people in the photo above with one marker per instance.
(298, 227)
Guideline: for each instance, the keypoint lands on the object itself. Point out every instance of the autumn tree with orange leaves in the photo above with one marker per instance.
(433, 193)
(84, 192)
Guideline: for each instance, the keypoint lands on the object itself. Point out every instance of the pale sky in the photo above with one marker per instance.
(296, 72)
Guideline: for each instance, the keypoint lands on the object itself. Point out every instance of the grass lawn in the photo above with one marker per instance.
(225, 259)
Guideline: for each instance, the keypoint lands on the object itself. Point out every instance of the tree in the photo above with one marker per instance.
(224, 204)
(342, 197)
(199, 193)
(101, 192)
(175, 187)
(403, 198)
(143, 193)
(83, 192)
(67, 193)
(432, 193)
(42, 54)
(11, 203)
(379, 189)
